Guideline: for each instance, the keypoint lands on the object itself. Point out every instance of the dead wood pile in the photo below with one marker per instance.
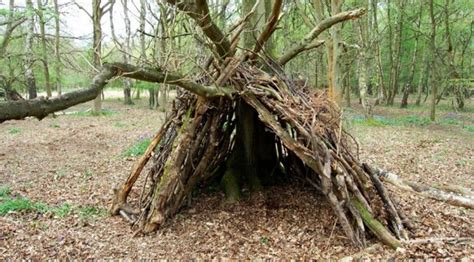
(199, 135)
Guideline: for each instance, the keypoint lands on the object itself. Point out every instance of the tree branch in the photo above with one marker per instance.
(199, 11)
(321, 27)
(271, 24)
(41, 107)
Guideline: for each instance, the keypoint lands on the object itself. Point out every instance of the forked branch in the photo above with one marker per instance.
(199, 11)
(41, 107)
(321, 27)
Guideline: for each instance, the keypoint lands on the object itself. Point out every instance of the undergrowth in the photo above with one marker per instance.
(11, 203)
(138, 149)
(410, 120)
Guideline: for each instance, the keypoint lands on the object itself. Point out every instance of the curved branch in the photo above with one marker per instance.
(41, 107)
(270, 28)
(199, 11)
(321, 27)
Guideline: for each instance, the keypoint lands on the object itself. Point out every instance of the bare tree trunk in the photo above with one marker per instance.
(57, 54)
(396, 53)
(434, 85)
(44, 54)
(152, 102)
(424, 73)
(408, 86)
(127, 54)
(363, 26)
(381, 90)
(332, 49)
(29, 56)
(97, 13)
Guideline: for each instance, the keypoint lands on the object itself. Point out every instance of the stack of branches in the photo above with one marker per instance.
(199, 135)
(202, 131)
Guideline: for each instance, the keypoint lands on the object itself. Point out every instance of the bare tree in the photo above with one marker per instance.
(98, 12)
(44, 54)
(408, 85)
(332, 48)
(395, 50)
(432, 43)
(57, 54)
(363, 61)
(29, 56)
(124, 47)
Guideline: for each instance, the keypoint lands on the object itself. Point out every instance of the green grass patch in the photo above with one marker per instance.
(88, 211)
(10, 203)
(14, 130)
(4, 192)
(469, 128)
(410, 120)
(138, 149)
(104, 112)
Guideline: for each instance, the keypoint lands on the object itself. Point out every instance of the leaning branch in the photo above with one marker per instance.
(271, 24)
(321, 27)
(41, 107)
(199, 11)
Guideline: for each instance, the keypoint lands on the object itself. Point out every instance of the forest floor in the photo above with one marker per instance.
(58, 175)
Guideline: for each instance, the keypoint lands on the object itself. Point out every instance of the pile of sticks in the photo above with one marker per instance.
(199, 135)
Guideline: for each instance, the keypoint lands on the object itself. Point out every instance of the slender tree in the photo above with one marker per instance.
(433, 82)
(395, 52)
(127, 52)
(29, 56)
(57, 53)
(409, 83)
(44, 50)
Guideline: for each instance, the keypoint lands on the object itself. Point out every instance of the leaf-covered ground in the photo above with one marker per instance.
(61, 170)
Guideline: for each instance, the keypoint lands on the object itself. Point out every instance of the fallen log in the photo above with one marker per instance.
(452, 198)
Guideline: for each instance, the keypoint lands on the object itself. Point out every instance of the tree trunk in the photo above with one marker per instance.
(381, 90)
(424, 74)
(29, 56)
(363, 64)
(396, 54)
(127, 54)
(408, 86)
(44, 54)
(57, 54)
(433, 82)
(97, 14)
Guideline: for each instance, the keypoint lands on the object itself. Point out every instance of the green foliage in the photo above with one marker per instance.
(5, 191)
(63, 210)
(10, 203)
(18, 204)
(145, 85)
(469, 128)
(14, 130)
(138, 149)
